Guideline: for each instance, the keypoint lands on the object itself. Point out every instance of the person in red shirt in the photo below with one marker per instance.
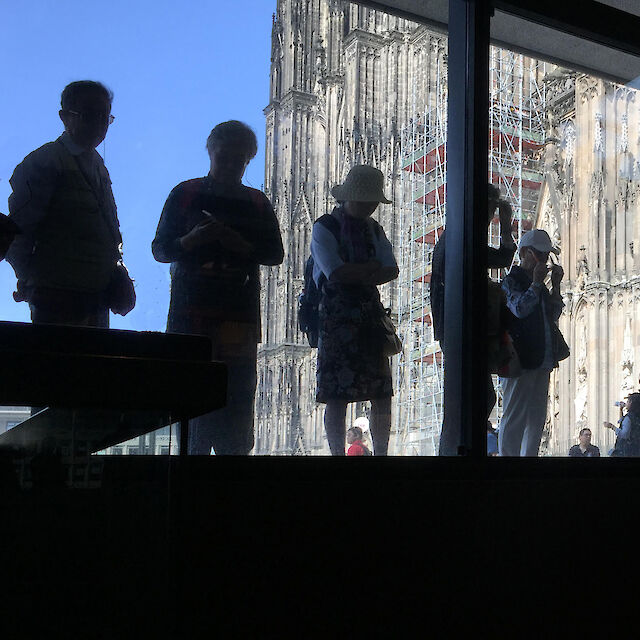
(354, 438)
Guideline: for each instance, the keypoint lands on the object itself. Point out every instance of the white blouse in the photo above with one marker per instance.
(325, 250)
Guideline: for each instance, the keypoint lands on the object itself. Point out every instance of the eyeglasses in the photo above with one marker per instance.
(93, 116)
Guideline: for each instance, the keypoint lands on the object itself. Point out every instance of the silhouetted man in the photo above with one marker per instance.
(68, 257)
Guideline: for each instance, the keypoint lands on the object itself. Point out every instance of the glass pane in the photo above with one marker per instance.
(576, 154)
(374, 76)
(163, 116)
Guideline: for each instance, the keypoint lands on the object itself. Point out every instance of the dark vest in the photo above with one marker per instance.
(77, 246)
(528, 333)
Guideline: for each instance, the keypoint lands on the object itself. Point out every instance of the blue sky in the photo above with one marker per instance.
(176, 70)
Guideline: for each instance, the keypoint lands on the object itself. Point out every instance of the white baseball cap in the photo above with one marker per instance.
(539, 240)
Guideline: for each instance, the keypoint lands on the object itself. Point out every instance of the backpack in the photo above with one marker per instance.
(365, 449)
(309, 299)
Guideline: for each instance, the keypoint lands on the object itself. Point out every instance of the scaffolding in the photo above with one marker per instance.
(516, 139)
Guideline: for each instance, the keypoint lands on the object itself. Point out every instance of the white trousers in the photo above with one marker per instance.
(524, 413)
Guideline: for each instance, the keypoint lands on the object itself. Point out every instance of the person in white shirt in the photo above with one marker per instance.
(350, 262)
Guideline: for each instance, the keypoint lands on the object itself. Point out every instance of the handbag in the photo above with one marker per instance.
(561, 349)
(508, 361)
(121, 294)
(391, 343)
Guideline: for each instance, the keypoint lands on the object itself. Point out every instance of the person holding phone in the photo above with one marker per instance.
(628, 433)
(537, 339)
(216, 232)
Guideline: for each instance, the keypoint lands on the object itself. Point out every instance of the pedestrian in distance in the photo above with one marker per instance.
(356, 446)
(584, 449)
(628, 433)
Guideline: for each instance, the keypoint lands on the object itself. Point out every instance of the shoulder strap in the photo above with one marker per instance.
(377, 228)
(71, 163)
(520, 276)
(363, 447)
(331, 223)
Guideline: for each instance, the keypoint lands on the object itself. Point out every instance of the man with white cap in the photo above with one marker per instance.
(537, 340)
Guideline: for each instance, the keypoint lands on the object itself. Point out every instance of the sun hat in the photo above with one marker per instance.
(362, 184)
(539, 240)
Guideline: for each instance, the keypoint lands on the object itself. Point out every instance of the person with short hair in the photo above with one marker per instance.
(216, 232)
(68, 258)
(537, 341)
(356, 446)
(348, 267)
(584, 449)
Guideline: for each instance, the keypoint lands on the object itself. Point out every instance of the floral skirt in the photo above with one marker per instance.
(351, 364)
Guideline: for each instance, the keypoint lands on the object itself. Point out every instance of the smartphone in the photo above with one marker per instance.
(211, 216)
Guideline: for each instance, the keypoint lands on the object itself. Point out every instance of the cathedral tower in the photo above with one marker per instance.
(334, 92)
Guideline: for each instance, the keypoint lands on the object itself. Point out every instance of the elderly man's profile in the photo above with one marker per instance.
(67, 258)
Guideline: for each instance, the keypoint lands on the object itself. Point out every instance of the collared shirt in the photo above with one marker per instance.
(325, 249)
(34, 182)
(524, 303)
(591, 451)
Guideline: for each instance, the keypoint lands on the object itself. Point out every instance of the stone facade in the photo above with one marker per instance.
(345, 82)
(341, 80)
(589, 206)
